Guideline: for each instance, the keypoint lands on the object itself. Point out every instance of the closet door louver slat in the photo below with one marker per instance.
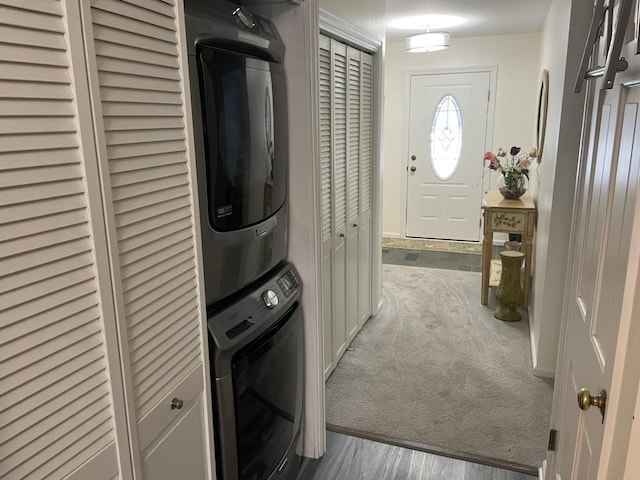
(325, 141)
(141, 101)
(56, 408)
(366, 116)
(340, 138)
(353, 136)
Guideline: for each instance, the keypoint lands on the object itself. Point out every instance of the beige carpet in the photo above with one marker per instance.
(435, 367)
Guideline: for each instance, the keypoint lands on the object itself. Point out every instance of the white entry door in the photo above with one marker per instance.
(447, 140)
(607, 196)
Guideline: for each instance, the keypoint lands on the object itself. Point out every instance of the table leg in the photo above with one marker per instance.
(487, 245)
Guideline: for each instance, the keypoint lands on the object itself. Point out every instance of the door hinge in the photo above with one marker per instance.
(552, 440)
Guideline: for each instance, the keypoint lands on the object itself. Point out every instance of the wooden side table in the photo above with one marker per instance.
(507, 216)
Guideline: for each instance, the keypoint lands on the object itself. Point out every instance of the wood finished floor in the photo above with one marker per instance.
(353, 458)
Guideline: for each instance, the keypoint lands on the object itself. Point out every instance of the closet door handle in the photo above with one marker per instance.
(176, 404)
(342, 235)
(355, 225)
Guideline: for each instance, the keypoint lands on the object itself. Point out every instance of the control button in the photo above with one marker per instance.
(270, 298)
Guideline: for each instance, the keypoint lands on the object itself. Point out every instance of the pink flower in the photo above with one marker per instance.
(490, 156)
(533, 152)
(525, 163)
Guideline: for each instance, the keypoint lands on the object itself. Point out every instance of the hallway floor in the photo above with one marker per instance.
(353, 458)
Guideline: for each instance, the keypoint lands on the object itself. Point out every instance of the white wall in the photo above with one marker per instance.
(517, 59)
(563, 38)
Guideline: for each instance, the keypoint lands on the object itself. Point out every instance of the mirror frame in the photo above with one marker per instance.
(543, 101)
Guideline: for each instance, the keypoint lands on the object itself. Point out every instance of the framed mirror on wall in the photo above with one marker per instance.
(543, 101)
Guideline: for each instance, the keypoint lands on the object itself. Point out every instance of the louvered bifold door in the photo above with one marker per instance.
(339, 66)
(353, 189)
(326, 180)
(56, 400)
(366, 166)
(141, 119)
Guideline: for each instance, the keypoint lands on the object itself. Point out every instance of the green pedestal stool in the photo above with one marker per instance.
(509, 292)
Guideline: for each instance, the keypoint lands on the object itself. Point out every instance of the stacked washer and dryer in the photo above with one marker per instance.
(253, 295)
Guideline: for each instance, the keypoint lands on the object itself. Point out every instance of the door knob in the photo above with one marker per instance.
(585, 400)
(413, 157)
(176, 404)
(355, 225)
(413, 169)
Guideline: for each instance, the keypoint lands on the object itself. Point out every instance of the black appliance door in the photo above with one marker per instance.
(242, 98)
(267, 378)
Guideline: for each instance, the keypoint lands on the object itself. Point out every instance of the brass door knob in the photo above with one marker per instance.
(585, 400)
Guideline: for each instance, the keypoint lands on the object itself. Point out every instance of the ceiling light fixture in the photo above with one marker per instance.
(427, 42)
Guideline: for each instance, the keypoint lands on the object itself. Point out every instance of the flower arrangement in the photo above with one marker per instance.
(514, 169)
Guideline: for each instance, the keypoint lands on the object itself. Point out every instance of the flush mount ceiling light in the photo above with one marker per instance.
(427, 42)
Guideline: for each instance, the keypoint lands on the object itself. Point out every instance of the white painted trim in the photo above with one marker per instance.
(376, 180)
(537, 370)
(343, 31)
(391, 235)
(542, 471)
(491, 110)
(338, 28)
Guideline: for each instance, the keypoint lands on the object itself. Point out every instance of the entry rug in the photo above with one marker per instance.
(435, 367)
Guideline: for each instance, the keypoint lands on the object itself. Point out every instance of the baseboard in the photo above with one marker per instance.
(391, 235)
(544, 372)
(538, 371)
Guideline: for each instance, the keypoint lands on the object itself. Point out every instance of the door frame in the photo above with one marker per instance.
(409, 73)
(621, 434)
(335, 27)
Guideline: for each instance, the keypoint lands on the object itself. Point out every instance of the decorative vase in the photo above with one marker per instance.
(509, 292)
(512, 185)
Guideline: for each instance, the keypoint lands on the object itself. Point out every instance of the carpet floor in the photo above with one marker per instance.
(435, 367)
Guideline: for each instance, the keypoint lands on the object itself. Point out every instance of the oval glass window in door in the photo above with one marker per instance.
(446, 138)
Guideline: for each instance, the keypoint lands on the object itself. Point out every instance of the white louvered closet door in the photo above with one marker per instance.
(326, 195)
(366, 163)
(353, 189)
(339, 66)
(346, 156)
(140, 106)
(56, 322)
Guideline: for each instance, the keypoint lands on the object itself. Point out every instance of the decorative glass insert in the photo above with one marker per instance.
(446, 138)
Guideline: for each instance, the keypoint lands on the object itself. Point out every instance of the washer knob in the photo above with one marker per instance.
(270, 298)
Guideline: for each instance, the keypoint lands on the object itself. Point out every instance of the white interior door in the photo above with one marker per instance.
(602, 230)
(447, 137)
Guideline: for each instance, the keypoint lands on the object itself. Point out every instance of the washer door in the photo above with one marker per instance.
(267, 384)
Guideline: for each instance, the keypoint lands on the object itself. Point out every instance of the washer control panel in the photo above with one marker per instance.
(288, 283)
(270, 299)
